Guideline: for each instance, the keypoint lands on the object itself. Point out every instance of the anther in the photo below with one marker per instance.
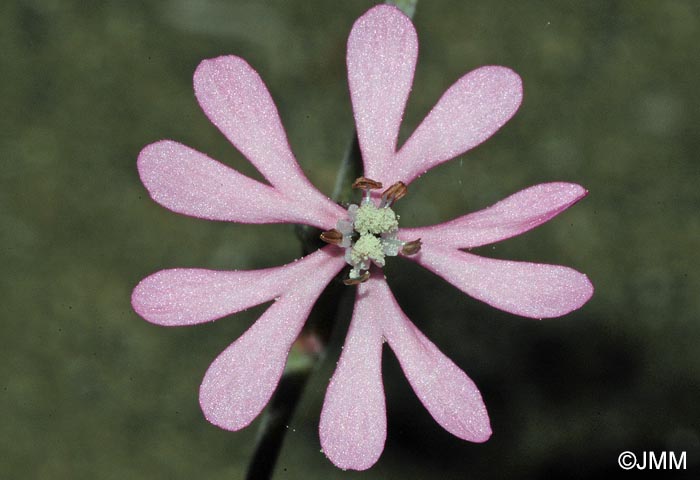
(396, 192)
(356, 281)
(334, 237)
(365, 183)
(411, 248)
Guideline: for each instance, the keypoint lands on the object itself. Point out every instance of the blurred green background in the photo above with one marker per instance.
(89, 390)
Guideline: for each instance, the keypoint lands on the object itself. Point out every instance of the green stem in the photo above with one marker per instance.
(305, 355)
(350, 169)
(311, 344)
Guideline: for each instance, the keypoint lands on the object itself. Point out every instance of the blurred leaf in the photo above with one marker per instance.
(406, 6)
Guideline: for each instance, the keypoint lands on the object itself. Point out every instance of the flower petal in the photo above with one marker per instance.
(240, 382)
(511, 216)
(532, 290)
(189, 182)
(191, 296)
(353, 420)
(468, 113)
(382, 51)
(444, 389)
(237, 101)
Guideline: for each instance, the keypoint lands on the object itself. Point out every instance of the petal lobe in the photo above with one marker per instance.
(531, 290)
(353, 419)
(510, 217)
(469, 112)
(445, 390)
(382, 53)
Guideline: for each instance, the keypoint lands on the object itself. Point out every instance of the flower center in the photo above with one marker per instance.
(369, 233)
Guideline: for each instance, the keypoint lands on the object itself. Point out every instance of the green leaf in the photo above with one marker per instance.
(406, 6)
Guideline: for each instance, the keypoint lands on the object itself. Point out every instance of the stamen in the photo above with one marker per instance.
(356, 281)
(396, 192)
(334, 237)
(411, 248)
(365, 183)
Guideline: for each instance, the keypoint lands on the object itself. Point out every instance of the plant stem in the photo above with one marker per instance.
(304, 357)
(311, 344)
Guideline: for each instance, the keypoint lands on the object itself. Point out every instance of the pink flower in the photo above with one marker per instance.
(382, 52)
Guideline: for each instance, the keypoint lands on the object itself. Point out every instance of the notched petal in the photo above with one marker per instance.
(240, 382)
(469, 112)
(532, 290)
(382, 53)
(510, 217)
(444, 389)
(353, 419)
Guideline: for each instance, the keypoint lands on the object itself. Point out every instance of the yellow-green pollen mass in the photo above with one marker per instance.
(370, 219)
(367, 247)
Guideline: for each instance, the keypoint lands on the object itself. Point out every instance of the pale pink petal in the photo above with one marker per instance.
(445, 390)
(529, 289)
(191, 296)
(189, 182)
(353, 419)
(382, 51)
(468, 113)
(240, 382)
(237, 101)
(512, 216)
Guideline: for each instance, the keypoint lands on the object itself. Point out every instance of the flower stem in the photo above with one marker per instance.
(350, 169)
(311, 344)
(274, 425)
(303, 358)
